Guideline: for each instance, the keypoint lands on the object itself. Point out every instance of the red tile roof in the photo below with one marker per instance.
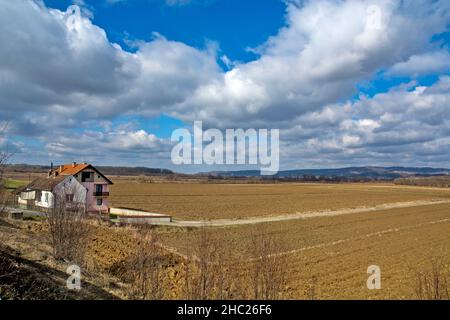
(73, 169)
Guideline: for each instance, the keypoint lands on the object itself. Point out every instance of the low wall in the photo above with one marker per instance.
(133, 216)
(144, 219)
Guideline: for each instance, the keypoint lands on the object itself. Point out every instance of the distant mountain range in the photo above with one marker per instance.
(386, 173)
(107, 170)
(368, 172)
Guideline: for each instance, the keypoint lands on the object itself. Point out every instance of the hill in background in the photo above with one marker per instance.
(107, 170)
(368, 173)
(349, 173)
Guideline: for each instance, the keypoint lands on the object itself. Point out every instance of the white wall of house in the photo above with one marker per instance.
(71, 188)
(24, 196)
(46, 200)
(68, 190)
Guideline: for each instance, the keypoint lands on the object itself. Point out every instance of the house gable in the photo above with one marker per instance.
(80, 172)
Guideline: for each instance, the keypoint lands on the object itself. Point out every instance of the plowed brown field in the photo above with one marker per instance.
(327, 253)
(195, 201)
(338, 250)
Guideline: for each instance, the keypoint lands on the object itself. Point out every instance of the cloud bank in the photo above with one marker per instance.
(61, 76)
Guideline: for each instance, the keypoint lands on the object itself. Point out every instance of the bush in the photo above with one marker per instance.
(208, 273)
(145, 267)
(69, 231)
(268, 268)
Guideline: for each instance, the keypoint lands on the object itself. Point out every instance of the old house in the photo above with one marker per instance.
(45, 193)
(96, 184)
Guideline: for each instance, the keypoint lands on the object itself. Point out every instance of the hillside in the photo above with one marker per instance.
(108, 170)
(368, 172)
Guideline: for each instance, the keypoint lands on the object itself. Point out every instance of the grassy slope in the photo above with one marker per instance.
(14, 184)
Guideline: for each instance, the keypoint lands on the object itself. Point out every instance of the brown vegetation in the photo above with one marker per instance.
(145, 267)
(68, 230)
(439, 182)
(433, 282)
(22, 280)
(268, 266)
(29, 271)
(204, 268)
(4, 157)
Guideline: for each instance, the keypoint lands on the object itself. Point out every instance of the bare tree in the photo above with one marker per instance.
(69, 230)
(5, 155)
(268, 267)
(146, 267)
(199, 284)
(207, 271)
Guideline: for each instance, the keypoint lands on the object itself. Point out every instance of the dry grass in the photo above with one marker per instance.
(28, 269)
(215, 201)
(433, 283)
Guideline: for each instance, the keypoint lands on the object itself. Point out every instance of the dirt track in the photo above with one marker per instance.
(301, 216)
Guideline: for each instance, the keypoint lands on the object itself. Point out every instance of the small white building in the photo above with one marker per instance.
(46, 192)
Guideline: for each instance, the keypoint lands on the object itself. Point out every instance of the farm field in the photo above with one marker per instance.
(336, 251)
(201, 201)
(322, 257)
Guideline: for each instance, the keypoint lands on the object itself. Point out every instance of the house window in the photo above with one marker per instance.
(46, 198)
(99, 202)
(87, 177)
(69, 197)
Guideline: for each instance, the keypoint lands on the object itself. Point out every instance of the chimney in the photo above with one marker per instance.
(60, 169)
(51, 170)
(74, 164)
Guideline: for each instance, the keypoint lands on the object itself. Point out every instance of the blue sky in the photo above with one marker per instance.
(346, 82)
(236, 25)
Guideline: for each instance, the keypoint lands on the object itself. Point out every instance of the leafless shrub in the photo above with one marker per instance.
(198, 270)
(5, 155)
(146, 268)
(144, 179)
(435, 181)
(432, 284)
(207, 272)
(69, 230)
(268, 267)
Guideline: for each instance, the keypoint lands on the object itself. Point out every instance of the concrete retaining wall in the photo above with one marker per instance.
(132, 216)
(144, 220)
